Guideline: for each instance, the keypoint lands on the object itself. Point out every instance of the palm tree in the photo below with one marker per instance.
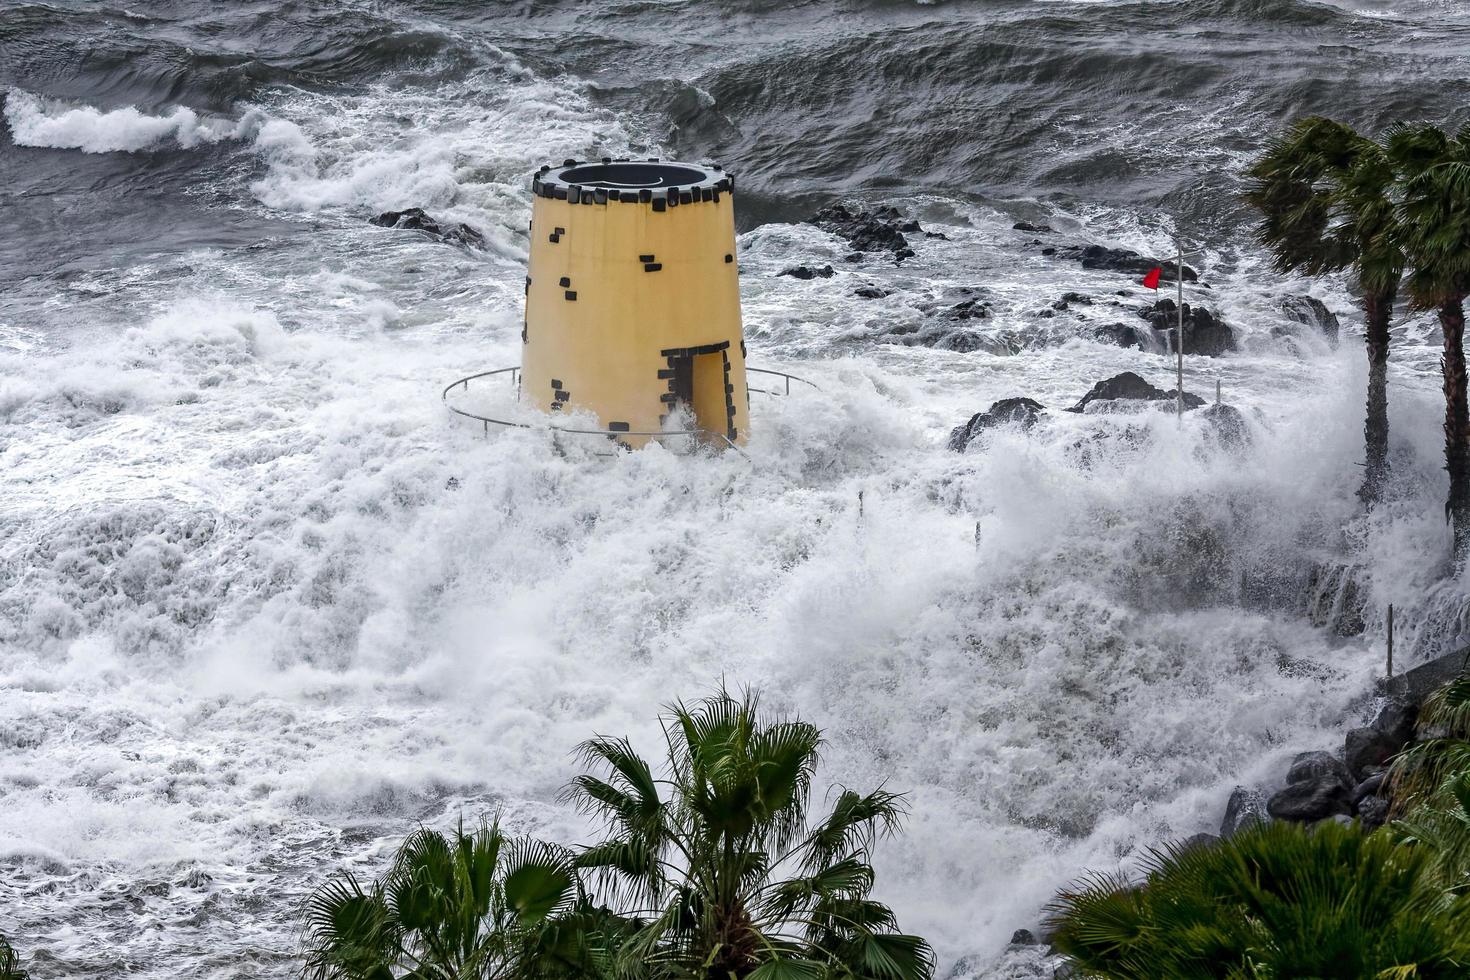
(1273, 902)
(1435, 209)
(718, 861)
(1324, 193)
(475, 906)
(10, 963)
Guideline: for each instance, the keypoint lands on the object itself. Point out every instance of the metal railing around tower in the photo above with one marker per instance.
(515, 373)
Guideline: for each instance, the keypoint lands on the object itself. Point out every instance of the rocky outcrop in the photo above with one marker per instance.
(1028, 226)
(870, 292)
(970, 309)
(807, 272)
(1130, 387)
(1008, 411)
(1203, 333)
(879, 230)
(418, 219)
(1318, 786)
(1123, 260)
(1124, 335)
(1312, 312)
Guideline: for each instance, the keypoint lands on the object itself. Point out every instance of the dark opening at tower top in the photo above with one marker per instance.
(618, 179)
(632, 176)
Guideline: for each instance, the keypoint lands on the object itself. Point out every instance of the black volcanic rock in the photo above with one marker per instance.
(970, 309)
(807, 272)
(1028, 226)
(870, 292)
(1130, 387)
(1203, 333)
(1024, 412)
(1122, 335)
(1312, 312)
(1318, 786)
(1123, 260)
(417, 219)
(879, 230)
(1247, 807)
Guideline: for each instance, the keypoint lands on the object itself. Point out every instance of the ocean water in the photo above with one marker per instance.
(265, 606)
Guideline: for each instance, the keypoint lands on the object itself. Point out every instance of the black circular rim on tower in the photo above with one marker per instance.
(631, 176)
(663, 183)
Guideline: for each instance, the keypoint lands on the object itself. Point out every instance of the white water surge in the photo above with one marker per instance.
(264, 605)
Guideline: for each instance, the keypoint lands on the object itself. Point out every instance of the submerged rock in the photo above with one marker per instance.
(1130, 387)
(807, 272)
(1022, 411)
(1203, 333)
(1028, 226)
(418, 219)
(1312, 312)
(870, 292)
(879, 230)
(1227, 426)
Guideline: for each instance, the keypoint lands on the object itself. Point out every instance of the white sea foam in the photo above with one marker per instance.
(35, 121)
(264, 605)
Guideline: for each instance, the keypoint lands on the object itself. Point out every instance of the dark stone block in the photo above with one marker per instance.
(1008, 411)
(1246, 808)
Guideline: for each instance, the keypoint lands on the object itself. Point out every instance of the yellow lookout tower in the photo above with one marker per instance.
(633, 297)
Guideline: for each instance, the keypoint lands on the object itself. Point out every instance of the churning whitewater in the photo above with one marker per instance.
(265, 606)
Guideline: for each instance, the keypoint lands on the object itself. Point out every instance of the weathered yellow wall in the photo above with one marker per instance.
(605, 347)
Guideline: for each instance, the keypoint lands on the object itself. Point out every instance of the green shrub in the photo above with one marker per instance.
(1276, 901)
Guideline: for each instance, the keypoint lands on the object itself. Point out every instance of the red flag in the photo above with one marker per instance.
(1152, 279)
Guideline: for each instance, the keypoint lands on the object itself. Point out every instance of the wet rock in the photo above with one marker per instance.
(417, 219)
(1021, 411)
(1121, 335)
(878, 230)
(807, 272)
(910, 226)
(1049, 250)
(1318, 787)
(903, 253)
(853, 257)
(1396, 719)
(870, 292)
(1366, 750)
(937, 234)
(1309, 801)
(970, 309)
(1203, 333)
(1130, 387)
(1373, 812)
(1415, 685)
(1312, 312)
(1247, 807)
(1023, 937)
(1028, 226)
(1124, 260)
(1369, 787)
(1199, 840)
(1081, 299)
(1227, 426)
(1316, 765)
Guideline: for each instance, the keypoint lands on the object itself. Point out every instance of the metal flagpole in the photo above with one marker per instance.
(1179, 337)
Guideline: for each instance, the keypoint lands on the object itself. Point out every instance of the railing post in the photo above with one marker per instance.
(1390, 639)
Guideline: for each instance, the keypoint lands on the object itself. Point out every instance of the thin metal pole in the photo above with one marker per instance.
(1390, 640)
(1179, 373)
